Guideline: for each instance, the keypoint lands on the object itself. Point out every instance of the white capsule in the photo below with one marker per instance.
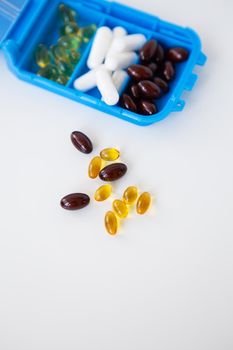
(133, 42)
(120, 78)
(100, 47)
(119, 32)
(121, 61)
(106, 86)
(86, 82)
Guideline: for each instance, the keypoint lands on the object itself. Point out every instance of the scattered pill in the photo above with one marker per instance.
(177, 54)
(148, 51)
(128, 103)
(111, 223)
(81, 142)
(139, 72)
(75, 201)
(106, 86)
(120, 209)
(130, 195)
(162, 84)
(147, 107)
(113, 172)
(121, 60)
(86, 82)
(100, 47)
(110, 154)
(94, 167)
(169, 71)
(42, 56)
(143, 203)
(149, 89)
(103, 193)
(133, 42)
(120, 78)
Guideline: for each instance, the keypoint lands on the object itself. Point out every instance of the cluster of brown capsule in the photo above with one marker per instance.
(150, 79)
(109, 173)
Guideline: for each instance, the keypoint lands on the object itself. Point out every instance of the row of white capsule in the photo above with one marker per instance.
(112, 51)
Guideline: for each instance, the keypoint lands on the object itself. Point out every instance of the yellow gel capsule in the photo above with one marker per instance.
(95, 167)
(62, 79)
(87, 32)
(103, 193)
(49, 72)
(120, 208)
(143, 203)
(60, 53)
(42, 56)
(111, 223)
(70, 42)
(130, 195)
(110, 154)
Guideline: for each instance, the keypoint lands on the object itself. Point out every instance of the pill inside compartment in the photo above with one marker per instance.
(48, 32)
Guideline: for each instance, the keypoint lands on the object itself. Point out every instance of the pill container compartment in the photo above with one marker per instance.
(26, 23)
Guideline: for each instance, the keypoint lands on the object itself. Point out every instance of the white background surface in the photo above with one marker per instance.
(166, 281)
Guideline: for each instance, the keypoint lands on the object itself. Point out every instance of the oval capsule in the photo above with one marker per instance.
(113, 172)
(169, 71)
(75, 201)
(148, 51)
(110, 154)
(103, 193)
(177, 54)
(81, 142)
(94, 167)
(139, 72)
(147, 107)
(120, 208)
(111, 223)
(130, 195)
(128, 103)
(143, 203)
(149, 89)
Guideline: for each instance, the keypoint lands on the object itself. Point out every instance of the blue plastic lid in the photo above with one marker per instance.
(10, 10)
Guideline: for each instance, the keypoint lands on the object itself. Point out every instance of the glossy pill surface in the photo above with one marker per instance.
(69, 28)
(128, 103)
(94, 167)
(113, 172)
(177, 54)
(139, 72)
(130, 195)
(111, 223)
(110, 154)
(149, 89)
(49, 72)
(67, 13)
(169, 71)
(70, 42)
(60, 53)
(162, 84)
(120, 209)
(160, 54)
(42, 56)
(103, 193)
(75, 201)
(148, 51)
(87, 32)
(147, 107)
(81, 142)
(143, 203)
(153, 67)
(135, 92)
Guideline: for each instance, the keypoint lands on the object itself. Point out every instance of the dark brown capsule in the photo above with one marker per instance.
(177, 54)
(168, 71)
(75, 201)
(153, 67)
(135, 91)
(148, 51)
(160, 54)
(113, 172)
(128, 103)
(81, 142)
(162, 84)
(147, 107)
(139, 72)
(149, 89)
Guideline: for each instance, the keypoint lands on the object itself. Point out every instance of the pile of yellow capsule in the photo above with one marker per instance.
(58, 62)
(120, 207)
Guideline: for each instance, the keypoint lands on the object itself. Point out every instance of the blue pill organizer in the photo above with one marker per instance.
(26, 23)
